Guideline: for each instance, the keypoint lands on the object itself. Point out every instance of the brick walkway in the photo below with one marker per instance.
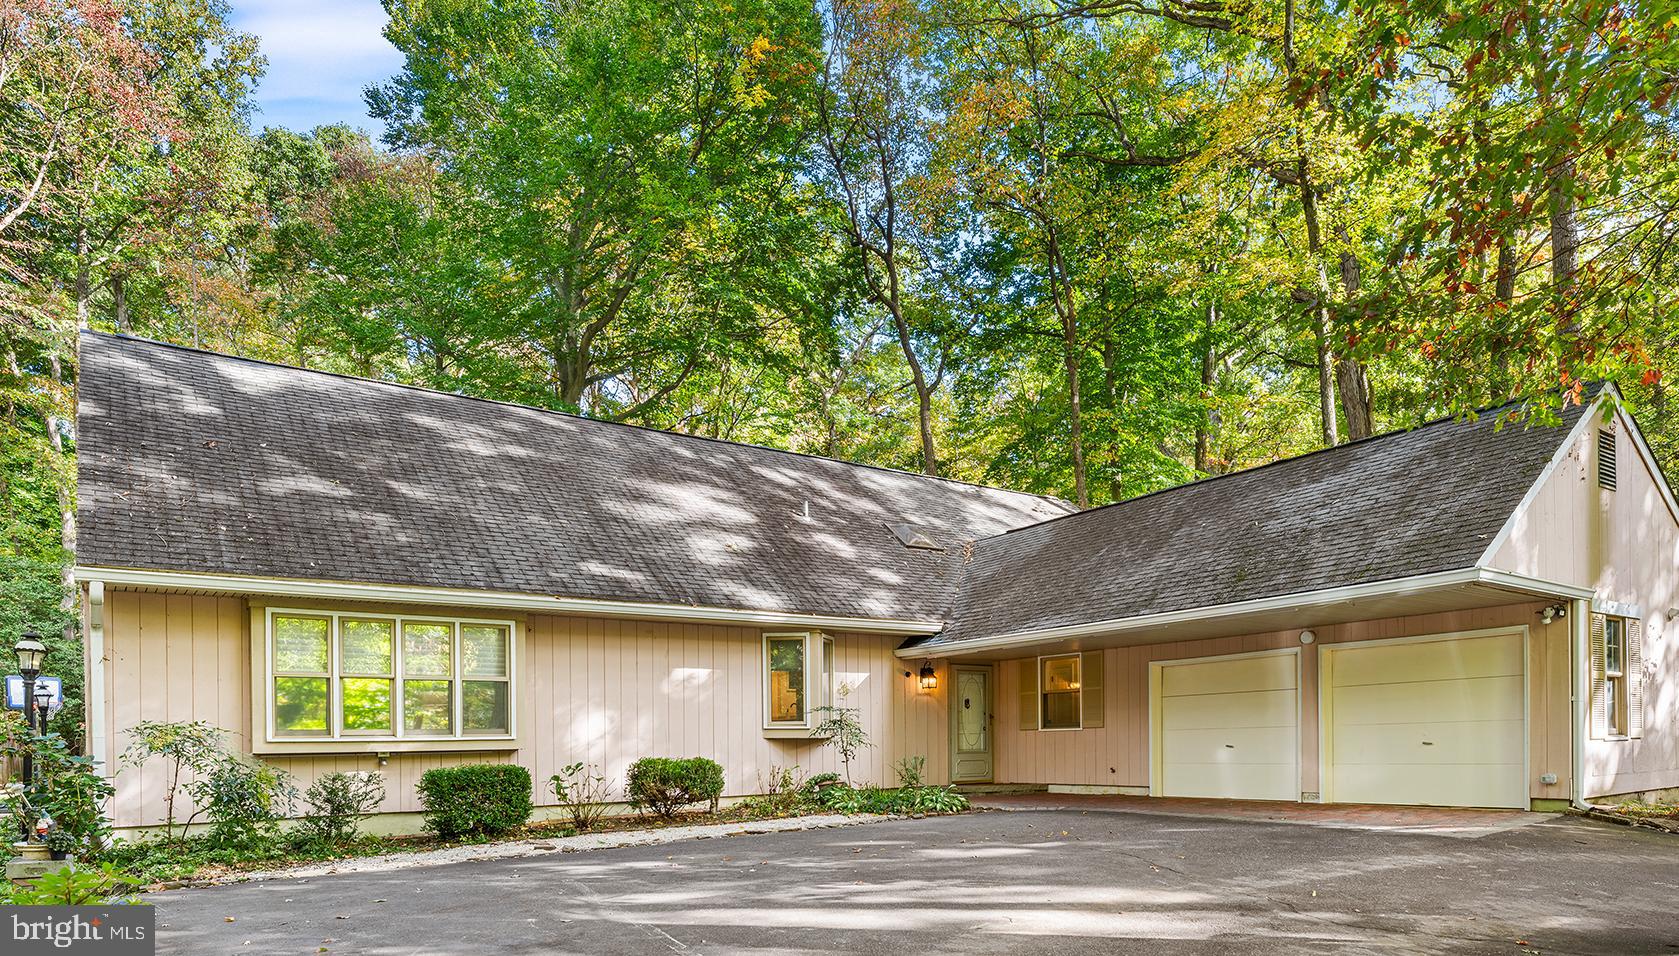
(1444, 821)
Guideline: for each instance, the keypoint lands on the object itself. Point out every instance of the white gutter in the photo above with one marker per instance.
(502, 600)
(1392, 587)
(1579, 671)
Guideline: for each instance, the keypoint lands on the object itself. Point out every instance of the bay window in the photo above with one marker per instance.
(369, 676)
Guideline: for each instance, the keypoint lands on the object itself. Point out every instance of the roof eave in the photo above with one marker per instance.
(1393, 587)
(502, 600)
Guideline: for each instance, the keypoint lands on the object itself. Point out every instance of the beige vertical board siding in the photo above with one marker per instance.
(598, 691)
(1118, 754)
(1624, 544)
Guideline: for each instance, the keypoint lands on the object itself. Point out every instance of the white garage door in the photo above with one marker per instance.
(1437, 723)
(1229, 728)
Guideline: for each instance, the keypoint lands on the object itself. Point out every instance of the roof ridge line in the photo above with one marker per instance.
(1430, 423)
(126, 336)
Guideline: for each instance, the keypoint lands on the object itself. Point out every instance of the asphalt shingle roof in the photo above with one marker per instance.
(198, 462)
(1413, 502)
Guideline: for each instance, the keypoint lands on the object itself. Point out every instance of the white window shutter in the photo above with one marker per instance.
(1635, 677)
(1028, 671)
(1600, 713)
(1090, 689)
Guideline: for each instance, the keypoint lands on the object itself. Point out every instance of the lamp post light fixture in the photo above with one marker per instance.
(30, 655)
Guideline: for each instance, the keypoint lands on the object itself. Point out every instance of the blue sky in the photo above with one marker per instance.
(321, 53)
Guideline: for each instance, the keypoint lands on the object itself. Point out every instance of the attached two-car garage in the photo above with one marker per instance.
(1436, 721)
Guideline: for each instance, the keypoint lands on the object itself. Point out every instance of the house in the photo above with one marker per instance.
(347, 574)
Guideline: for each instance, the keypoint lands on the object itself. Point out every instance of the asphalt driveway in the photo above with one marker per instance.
(1026, 881)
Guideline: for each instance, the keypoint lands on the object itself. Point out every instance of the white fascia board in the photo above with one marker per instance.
(505, 600)
(1557, 458)
(1393, 587)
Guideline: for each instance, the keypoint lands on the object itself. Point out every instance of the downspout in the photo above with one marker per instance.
(1580, 672)
(96, 709)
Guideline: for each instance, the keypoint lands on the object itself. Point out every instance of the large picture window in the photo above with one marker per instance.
(375, 676)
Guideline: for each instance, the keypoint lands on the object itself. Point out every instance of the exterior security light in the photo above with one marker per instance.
(30, 653)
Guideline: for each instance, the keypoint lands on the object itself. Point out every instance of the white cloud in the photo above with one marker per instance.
(321, 53)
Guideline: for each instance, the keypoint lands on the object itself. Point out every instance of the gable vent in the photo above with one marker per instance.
(1606, 459)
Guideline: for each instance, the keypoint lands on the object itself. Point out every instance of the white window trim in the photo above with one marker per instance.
(1079, 657)
(334, 691)
(807, 669)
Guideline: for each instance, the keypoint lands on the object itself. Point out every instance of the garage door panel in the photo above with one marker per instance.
(1249, 745)
(1269, 708)
(1428, 722)
(1468, 742)
(1485, 698)
(1273, 672)
(1232, 781)
(1229, 729)
(1483, 785)
(1498, 656)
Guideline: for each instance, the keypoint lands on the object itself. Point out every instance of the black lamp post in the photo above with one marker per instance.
(30, 653)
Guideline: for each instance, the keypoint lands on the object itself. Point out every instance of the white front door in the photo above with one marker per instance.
(1437, 722)
(1228, 728)
(970, 701)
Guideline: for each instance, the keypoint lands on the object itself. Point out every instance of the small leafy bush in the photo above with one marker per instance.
(820, 782)
(476, 799)
(910, 771)
(185, 747)
(68, 788)
(935, 800)
(72, 886)
(842, 731)
(243, 798)
(902, 800)
(337, 803)
(582, 791)
(666, 785)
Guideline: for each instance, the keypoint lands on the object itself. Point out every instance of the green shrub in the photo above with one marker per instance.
(186, 747)
(69, 789)
(842, 731)
(337, 803)
(910, 771)
(74, 885)
(842, 799)
(477, 799)
(243, 798)
(582, 791)
(665, 785)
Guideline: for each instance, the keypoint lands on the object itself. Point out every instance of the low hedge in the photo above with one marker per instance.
(666, 785)
(476, 799)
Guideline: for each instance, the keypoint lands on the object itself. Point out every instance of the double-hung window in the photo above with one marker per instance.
(1614, 674)
(369, 676)
(1060, 694)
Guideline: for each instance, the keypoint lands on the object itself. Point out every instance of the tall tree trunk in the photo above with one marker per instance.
(1320, 308)
(1314, 247)
(64, 486)
(84, 268)
(119, 302)
(1565, 231)
(1067, 311)
(1350, 374)
(1203, 420)
(918, 378)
